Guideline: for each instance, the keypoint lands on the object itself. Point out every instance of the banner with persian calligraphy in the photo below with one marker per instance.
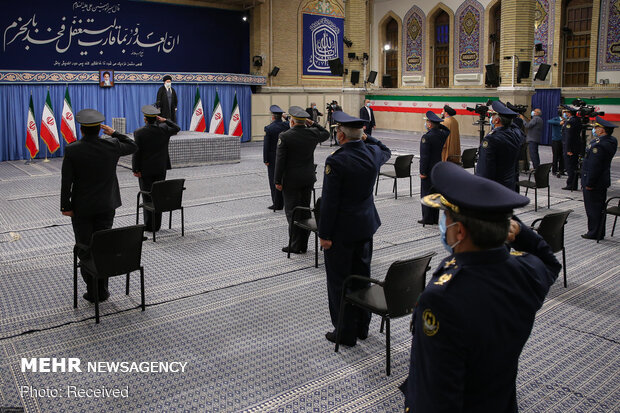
(322, 42)
(122, 35)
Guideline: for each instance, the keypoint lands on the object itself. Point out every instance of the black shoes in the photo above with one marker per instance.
(567, 188)
(586, 236)
(421, 221)
(294, 251)
(275, 208)
(331, 336)
(102, 297)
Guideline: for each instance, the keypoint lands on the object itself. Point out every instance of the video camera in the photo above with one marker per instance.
(333, 106)
(520, 109)
(481, 108)
(585, 110)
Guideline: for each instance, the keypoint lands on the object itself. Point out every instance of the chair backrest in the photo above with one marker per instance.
(167, 195)
(402, 166)
(404, 282)
(469, 158)
(118, 250)
(317, 211)
(541, 175)
(551, 228)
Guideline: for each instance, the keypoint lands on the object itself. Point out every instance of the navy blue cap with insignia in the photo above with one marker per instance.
(275, 109)
(501, 109)
(449, 110)
(346, 120)
(298, 113)
(604, 123)
(569, 108)
(150, 110)
(467, 194)
(432, 117)
(89, 117)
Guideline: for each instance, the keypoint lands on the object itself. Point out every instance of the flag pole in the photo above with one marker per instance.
(30, 159)
(46, 160)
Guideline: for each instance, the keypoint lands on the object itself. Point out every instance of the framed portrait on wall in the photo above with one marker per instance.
(106, 78)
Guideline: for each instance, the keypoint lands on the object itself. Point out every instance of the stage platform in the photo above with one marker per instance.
(198, 148)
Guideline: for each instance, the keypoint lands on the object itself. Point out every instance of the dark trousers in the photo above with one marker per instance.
(83, 229)
(594, 202)
(429, 215)
(152, 221)
(571, 162)
(276, 196)
(297, 197)
(533, 149)
(341, 260)
(558, 157)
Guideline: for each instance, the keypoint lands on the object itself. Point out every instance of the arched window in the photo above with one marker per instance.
(391, 54)
(577, 21)
(442, 50)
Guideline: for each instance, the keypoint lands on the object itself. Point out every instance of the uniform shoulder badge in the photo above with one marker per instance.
(279, 141)
(594, 150)
(517, 253)
(568, 126)
(423, 140)
(430, 324)
(449, 263)
(328, 169)
(485, 144)
(443, 279)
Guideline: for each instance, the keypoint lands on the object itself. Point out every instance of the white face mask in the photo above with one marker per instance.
(168, 85)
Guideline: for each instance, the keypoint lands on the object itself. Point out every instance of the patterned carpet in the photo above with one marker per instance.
(250, 323)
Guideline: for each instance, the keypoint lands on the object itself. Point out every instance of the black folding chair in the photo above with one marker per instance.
(615, 211)
(395, 297)
(468, 158)
(402, 169)
(541, 180)
(166, 196)
(308, 223)
(112, 252)
(551, 228)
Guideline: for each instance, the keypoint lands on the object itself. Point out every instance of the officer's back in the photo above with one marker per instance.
(272, 131)
(152, 140)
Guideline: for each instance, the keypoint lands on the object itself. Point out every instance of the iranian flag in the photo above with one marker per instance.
(32, 137)
(49, 129)
(234, 127)
(67, 123)
(217, 119)
(198, 117)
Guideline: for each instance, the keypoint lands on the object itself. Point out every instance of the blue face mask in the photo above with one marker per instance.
(368, 104)
(594, 134)
(565, 115)
(533, 113)
(443, 230)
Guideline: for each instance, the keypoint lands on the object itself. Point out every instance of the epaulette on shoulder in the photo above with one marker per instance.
(448, 270)
(518, 253)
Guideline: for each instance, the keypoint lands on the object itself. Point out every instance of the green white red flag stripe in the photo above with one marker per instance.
(49, 128)
(234, 126)
(216, 125)
(67, 123)
(198, 117)
(32, 136)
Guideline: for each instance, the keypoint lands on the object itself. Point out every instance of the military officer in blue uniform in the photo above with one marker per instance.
(89, 191)
(571, 144)
(150, 162)
(431, 145)
(349, 219)
(270, 144)
(295, 171)
(499, 151)
(474, 317)
(595, 176)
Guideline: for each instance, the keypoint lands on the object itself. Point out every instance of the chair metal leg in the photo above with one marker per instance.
(288, 253)
(614, 227)
(395, 188)
(142, 286)
(548, 198)
(170, 221)
(387, 346)
(410, 191)
(316, 250)
(564, 264)
(182, 223)
(154, 232)
(127, 284)
(377, 186)
(74, 279)
(527, 188)
(96, 303)
(138, 209)
(535, 199)
(382, 324)
(340, 316)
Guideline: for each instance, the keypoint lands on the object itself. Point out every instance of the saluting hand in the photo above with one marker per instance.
(107, 129)
(513, 231)
(160, 119)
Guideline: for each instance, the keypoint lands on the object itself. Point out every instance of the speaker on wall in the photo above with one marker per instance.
(523, 70)
(274, 71)
(355, 77)
(542, 72)
(336, 67)
(492, 79)
(372, 76)
(386, 81)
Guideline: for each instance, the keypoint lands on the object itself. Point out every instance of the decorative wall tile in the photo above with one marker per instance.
(468, 37)
(413, 41)
(609, 36)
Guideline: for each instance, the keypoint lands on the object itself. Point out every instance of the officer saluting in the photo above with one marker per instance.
(349, 219)
(499, 150)
(270, 144)
(89, 191)
(294, 174)
(595, 175)
(150, 162)
(477, 312)
(431, 145)
(571, 144)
